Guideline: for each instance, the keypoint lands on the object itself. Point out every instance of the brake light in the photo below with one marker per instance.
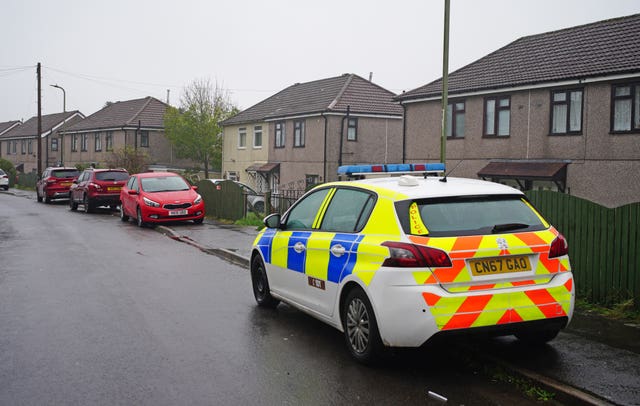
(559, 247)
(406, 255)
(95, 186)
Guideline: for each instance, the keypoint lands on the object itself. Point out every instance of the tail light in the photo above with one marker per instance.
(406, 255)
(559, 247)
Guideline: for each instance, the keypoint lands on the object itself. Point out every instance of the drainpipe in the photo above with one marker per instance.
(342, 135)
(324, 158)
(404, 132)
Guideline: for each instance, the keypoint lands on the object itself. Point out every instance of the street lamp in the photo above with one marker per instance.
(64, 97)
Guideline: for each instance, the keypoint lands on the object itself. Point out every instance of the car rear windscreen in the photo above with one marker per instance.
(65, 173)
(476, 215)
(112, 175)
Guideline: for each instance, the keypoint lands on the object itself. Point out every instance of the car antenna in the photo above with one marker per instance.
(444, 178)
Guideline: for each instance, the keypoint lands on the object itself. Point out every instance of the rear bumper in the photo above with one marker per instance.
(408, 314)
(106, 199)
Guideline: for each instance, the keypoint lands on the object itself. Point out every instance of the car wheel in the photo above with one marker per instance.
(39, 198)
(259, 207)
(139, 218)
(539, 337)
(73, 205)
(47, 199)
(88, 207)
(123, 216)
(5, 188)
(360, 328)
(261, 284)
(198, 221)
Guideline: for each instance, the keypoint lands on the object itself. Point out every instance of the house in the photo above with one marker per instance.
(299, 136)
(19, 145)
(137, 123)
(558, 110)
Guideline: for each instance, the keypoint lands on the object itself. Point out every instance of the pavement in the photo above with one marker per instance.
(594, 361)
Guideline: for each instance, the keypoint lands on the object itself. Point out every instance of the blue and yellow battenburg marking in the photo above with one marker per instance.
(317, 263)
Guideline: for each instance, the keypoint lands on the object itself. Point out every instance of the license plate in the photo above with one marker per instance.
(177, 212)
(65, 184)
(496, 265)
(113, 188)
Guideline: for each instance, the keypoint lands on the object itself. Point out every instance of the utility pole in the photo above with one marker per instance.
(445, 83)
(39, 121)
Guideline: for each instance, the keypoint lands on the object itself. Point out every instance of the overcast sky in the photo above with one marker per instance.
(127, 49)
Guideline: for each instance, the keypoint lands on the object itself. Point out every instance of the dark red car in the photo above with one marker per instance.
(55, 183)
(157, 197)
(97, 187)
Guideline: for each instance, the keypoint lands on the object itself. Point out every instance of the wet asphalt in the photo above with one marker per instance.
(593, 361)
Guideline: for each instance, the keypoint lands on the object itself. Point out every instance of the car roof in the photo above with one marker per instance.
(155, 174)
(106, 169)
(415, 187)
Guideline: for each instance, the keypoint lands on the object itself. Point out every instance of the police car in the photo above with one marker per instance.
(394, 261)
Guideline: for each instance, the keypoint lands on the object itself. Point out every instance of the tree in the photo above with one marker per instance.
(134, 161)
(194, 129)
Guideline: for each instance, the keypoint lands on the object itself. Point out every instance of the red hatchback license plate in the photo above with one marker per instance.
(178, 212)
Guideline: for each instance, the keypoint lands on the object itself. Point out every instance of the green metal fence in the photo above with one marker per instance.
(604, 244)
(223, 200)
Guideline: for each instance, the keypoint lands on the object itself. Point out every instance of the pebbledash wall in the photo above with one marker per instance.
(603, 167)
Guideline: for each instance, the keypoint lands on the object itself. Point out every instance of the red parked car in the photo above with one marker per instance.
(55, 183)
(157, 197)
(97, 187)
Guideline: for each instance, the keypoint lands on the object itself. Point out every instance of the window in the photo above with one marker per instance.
(74, 142)
(23, 147)
(144, 139)
(108, 138)
(242, 137)
(54, 144)
(15, 148)
(298, 133)
(455, 119)
(497, 116)
(626, 108)
(566, 112)
(29, 147)
(257, 136)
(348, 211)
(352, 129)
(84, 140)
(280, 135)
(98, 142)
(304, 212)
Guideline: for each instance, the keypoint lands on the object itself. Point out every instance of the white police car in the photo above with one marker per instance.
(393, 261)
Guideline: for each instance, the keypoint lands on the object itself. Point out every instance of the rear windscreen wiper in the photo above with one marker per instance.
(508, 227)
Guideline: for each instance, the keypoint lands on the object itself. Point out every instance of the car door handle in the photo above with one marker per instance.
(338, 250)
(299, 247)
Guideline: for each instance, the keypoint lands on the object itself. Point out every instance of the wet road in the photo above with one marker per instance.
(96, 311)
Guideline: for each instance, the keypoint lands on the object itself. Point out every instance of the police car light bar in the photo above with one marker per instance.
(357, 170)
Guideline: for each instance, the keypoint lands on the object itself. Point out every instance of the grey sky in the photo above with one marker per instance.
(125, 49)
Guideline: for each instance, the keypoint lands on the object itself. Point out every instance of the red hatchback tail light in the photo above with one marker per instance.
(406, 255)
(559, 247)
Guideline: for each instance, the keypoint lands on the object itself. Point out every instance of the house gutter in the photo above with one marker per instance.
(404, 132)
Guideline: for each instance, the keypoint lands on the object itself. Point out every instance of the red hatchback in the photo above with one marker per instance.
(55, 183)
(157, 197)
(97, 187)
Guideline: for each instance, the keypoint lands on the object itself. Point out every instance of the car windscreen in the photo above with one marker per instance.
(112, 175)
(65, 173)
(163, 184)
(473, 215)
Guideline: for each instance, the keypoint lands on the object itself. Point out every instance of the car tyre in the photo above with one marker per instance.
(47, 199)
(259, 207)
(538, 337)
(360, 328)
(73, 205)
(38, 197)
(260, 284)
(139, 221)
(198, 221)
(123, 216)
(5, 188)
(88, 207)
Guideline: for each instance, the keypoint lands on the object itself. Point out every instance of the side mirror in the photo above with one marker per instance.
(194, 187)
(132, 192)
(75, 181)
(272, 221)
